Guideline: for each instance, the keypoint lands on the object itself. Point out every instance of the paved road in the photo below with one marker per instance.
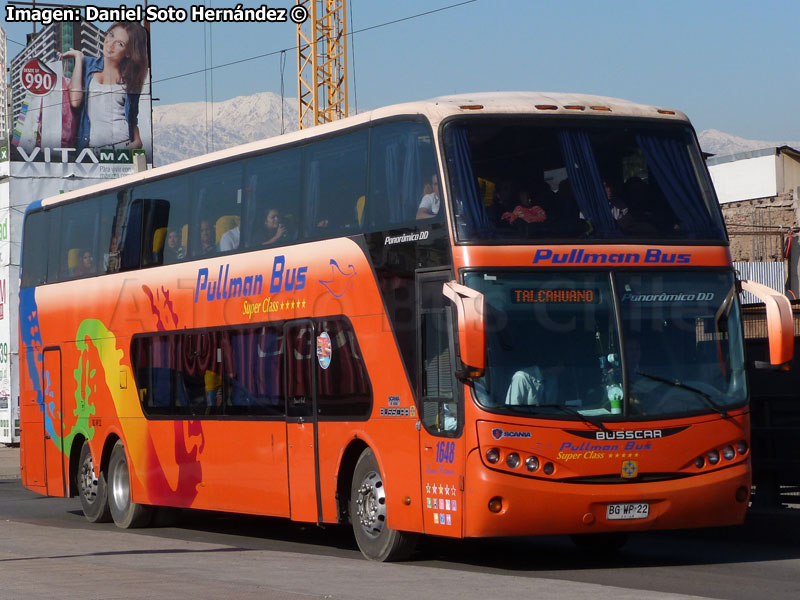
(48, 550)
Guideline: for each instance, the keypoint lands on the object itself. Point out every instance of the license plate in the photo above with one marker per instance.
(632, 510)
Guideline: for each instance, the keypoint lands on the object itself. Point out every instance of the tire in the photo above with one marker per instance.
(368, 515)
(607, 542)
(92, 490)
(126, 514)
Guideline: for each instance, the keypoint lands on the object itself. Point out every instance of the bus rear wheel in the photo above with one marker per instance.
(368, 515)
(92, 490)
(126, 514)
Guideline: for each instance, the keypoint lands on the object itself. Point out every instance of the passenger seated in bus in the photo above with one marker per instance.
(207, 246)
(173, 251)
(506, 197)
(85, 265)
(230, 239)
(430, 203)
(619, 208)
(526, 211)
(274, 230)
(213, 385)
(111, 260)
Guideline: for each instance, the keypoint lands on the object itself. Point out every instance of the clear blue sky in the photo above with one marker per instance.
(729, 64)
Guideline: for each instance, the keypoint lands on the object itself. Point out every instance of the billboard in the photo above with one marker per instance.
(81, 104)
(3, 105)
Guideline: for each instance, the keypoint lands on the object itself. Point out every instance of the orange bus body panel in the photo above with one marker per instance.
(221, 464)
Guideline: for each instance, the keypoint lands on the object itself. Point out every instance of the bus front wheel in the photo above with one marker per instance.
(368, 515)
(92, 490)
(126, 514)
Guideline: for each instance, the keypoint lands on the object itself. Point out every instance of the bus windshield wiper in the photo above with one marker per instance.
(679, 384)
(564, 409)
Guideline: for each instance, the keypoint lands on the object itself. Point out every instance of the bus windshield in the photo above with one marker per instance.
(518, 180)
(555, 347)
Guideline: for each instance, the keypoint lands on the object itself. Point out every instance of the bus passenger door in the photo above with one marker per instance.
(441, 410)
(53, 407)
(301, 421)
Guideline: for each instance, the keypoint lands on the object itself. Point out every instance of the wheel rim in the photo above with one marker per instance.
(371, 504)
(88, 480)
(120, 485)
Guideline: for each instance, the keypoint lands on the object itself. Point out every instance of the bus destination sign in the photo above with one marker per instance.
(554, 296)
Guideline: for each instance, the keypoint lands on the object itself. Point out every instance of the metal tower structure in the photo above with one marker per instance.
(322, 62)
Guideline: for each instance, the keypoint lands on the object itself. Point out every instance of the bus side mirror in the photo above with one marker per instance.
(780, 324)
(471, 325)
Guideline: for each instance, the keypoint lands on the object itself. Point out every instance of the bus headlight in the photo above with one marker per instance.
(493, 456)
(728, 452)
(512, 460)
(532, 463)
(713, 457)
(741, 447)
(699, 462)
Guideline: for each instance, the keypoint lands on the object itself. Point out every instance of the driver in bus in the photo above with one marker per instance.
(532, 386)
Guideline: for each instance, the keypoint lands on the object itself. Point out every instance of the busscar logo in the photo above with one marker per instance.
(628, 434)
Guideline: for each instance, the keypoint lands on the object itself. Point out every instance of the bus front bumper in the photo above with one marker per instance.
(535, 506)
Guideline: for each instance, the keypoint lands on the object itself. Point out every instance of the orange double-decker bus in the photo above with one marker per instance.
(489, 315)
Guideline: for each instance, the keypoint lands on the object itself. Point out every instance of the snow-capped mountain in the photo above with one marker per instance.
(184, 130)
(721, 143)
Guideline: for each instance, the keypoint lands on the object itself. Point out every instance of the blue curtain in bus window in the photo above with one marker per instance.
(467, 200)
(131, 247)
(404, 188)
(412, 180)
(252, 223)
(393, 195)
(669, 162)
(584, 177)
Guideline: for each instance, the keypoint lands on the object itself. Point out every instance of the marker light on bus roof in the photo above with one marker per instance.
(575, 107)
(663, 111)
(471, 106)
(546, 107)
(601, 108)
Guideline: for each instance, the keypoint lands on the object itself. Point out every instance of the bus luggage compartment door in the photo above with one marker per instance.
(301, 422)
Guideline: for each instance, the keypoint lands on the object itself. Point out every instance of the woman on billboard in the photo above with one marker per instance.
(110, 110)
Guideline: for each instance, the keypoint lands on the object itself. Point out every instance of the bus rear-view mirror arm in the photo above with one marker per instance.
(471, 327)
(780, 324)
